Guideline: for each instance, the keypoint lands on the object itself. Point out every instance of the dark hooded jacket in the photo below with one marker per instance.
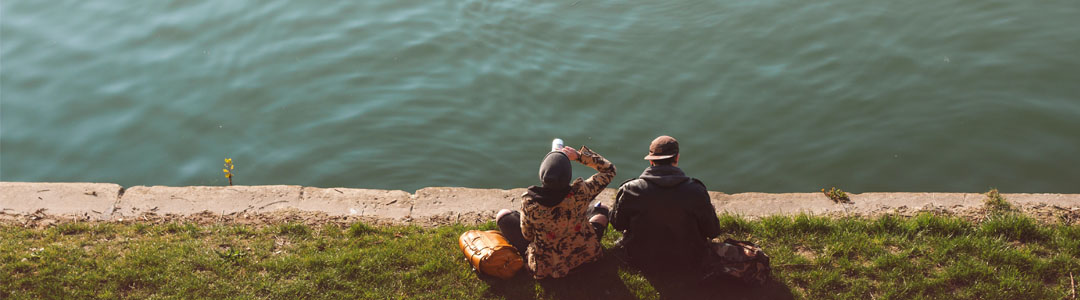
(666, 219)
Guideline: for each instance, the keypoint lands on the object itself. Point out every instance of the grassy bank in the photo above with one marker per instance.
(927, 256)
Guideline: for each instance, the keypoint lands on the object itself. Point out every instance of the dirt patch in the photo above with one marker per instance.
(1053, 214)
(316, 219)
(805, 253)
(892, 249)
(1043, 213)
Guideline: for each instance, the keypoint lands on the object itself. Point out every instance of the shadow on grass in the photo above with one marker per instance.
(677, 286)
(601, 280)
(598, 280)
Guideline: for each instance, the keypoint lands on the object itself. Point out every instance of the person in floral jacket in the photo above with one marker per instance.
(556, 228)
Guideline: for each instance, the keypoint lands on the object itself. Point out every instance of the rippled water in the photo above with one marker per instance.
(771, 96)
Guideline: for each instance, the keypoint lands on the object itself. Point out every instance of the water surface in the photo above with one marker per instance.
(769, 96)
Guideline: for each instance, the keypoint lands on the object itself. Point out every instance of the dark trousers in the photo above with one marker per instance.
(510, 226)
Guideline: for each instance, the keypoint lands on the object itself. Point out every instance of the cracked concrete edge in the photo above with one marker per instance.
(224, 200)
(107, 201)
(394, 204)
(76, 199)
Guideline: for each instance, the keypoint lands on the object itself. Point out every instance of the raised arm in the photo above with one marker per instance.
(605, 172)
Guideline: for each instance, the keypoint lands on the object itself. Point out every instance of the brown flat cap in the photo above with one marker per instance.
(663, 147)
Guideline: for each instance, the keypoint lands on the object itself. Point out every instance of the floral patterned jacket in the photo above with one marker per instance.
(560, 237)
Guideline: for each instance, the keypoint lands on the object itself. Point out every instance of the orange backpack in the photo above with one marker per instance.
(488, 252)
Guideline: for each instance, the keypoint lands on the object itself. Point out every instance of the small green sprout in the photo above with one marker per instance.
(996, 203)
(837, 195)
(229, 170)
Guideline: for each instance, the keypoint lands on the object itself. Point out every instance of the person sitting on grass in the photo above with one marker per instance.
(666, 218)
(556, 228)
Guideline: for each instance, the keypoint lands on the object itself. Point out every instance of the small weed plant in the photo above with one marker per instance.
(229, 170)
(836, 195)
(995, 203)
(231, 255)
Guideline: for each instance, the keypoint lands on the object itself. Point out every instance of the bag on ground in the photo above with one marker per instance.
(488, 252)
(737, 260)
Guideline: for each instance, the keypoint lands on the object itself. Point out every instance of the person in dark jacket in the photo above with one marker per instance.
(666, 217)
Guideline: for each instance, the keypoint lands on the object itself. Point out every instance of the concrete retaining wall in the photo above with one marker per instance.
(107, 201)
(84, 199)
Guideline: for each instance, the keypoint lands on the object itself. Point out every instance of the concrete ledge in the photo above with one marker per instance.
(443, 205)
(87, 200)
(355, 202)
(454, 204)
(761, 204)
(1061, 200)
(434, 201)
(195, 199)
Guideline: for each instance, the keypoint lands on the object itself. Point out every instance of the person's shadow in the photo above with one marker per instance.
(677, 285)
(597, 280)
(601, 280)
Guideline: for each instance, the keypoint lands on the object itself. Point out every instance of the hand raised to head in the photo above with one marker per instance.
(570, 152)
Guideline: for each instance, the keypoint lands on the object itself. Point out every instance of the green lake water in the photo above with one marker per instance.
(765, 96)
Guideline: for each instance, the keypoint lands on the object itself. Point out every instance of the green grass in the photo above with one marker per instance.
(1008, 256)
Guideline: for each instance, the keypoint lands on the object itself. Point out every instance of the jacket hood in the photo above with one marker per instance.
(555, 176)
(547, 197)
(664, 176)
